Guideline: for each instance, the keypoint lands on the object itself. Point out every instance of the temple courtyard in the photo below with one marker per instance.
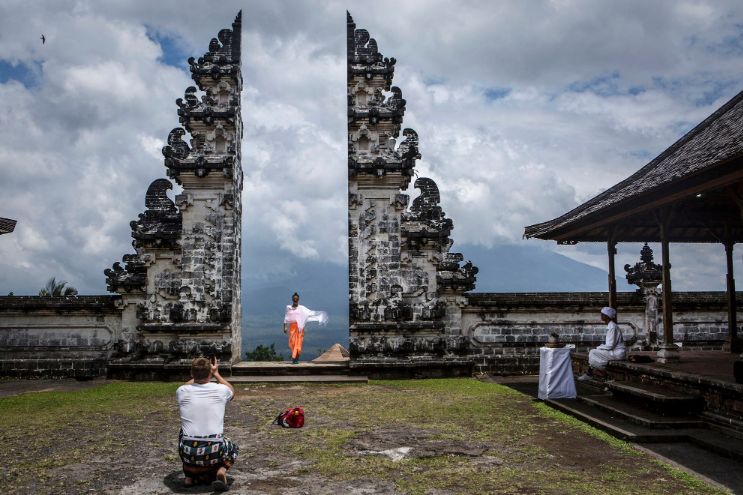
(434, 436)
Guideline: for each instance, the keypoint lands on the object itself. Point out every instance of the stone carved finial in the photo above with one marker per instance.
(189, 100)
(396, 102)
(645, 273)
(131, 278)
(426, 221)
(176, 147)
(450, 275)
(160, 224)
(366, 47)
(429, 198)
(408, 150)
(363, 54)
(646, 255)
(223, 56)
(157, 196)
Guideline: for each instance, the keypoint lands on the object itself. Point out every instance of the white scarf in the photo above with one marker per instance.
(302, 315)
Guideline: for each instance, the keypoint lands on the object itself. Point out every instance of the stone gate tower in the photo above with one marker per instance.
(405, 288)
(181, 288)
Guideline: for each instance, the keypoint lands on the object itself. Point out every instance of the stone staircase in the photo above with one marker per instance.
(285, 372)
(644, 409)
(633, 421)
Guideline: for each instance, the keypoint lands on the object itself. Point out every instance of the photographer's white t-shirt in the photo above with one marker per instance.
(202, 408)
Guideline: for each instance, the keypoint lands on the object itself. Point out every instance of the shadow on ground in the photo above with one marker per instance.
(174, 481)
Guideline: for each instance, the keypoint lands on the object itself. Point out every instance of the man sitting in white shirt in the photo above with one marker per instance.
(613, 349)
(205, 452)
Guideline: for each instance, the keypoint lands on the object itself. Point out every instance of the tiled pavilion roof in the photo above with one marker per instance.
(698, 175)
(7, 225)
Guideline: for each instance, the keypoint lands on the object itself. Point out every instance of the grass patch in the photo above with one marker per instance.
(519, 447)
(460, 409)
(69, 428)
(57, 408)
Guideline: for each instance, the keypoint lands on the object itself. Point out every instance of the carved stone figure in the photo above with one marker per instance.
(647, 275)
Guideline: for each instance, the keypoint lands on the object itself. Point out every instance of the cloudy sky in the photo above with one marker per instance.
(524, 110)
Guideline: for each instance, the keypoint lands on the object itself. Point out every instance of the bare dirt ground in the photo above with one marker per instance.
(429, 437)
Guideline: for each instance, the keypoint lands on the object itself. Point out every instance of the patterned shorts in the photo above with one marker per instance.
(204, 454)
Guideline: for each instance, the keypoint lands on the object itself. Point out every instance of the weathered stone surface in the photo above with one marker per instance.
(70, 336)
(399, 443)
(181, 290)
(404, 285)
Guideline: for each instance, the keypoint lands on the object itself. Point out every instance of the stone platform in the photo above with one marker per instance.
(286, 372)
(704, 376)
(242, 372)
(705, 366)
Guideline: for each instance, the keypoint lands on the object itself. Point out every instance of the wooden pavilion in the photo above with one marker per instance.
(691, 193)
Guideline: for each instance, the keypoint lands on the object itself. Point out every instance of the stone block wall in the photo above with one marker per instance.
(80, 336)
(72, 336)
(505, 330)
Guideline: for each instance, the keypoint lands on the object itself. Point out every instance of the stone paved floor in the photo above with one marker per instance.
(717, 365)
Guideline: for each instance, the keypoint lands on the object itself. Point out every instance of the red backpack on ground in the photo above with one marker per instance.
(290, 418)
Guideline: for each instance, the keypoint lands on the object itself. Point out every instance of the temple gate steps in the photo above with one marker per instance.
(648, 403)
(719, 442)
(284, 372)
(243, 372)
(308, 379)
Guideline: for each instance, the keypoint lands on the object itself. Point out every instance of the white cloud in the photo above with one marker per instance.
(522, 113)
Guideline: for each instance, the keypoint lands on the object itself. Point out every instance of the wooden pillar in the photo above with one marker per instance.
(732, 309)
(611, 247)
(668, 350)
(738, 364)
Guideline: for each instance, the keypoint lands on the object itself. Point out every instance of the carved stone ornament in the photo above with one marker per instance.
(363, 55)
(223, 56)
(133, 277)
(160, 224)
(645, 273)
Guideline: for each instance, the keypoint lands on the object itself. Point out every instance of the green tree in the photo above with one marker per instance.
(264, 353)
(57, 289)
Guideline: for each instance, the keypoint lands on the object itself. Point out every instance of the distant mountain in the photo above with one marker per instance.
(324, 286)
(524, 268)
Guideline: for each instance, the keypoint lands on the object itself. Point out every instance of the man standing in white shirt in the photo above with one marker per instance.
(205, 452)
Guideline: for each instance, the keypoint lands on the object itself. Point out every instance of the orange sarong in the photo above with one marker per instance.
(296, 337)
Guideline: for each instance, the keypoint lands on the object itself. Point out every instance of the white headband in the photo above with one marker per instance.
(610, 312)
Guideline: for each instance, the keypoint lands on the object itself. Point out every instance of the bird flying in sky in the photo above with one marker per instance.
(43, 39)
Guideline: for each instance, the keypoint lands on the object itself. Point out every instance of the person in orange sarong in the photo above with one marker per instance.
(294, 321)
